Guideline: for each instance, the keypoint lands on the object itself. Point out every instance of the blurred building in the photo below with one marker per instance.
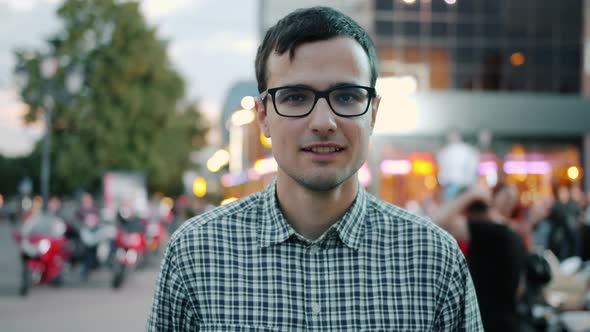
(509, 76)
(232, 103)
(525, 45)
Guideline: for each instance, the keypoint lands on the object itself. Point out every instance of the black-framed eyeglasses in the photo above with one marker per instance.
(298, 101)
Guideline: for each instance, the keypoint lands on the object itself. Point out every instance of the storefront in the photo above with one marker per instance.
(533, 141)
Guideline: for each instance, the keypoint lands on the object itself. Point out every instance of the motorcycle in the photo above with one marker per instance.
(130, 250)
(43, 250)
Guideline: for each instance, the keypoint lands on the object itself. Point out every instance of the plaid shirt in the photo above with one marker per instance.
(242, 267)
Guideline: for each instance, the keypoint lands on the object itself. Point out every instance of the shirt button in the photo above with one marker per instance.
(314, 249)
(315, 308)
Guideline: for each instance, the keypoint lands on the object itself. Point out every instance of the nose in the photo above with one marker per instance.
(322, 119)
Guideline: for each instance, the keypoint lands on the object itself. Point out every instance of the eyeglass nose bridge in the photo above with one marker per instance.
(326, 96)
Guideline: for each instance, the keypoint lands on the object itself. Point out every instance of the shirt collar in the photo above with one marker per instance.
(273, 227)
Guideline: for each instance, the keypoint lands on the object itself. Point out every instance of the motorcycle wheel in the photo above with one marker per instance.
(118, 275)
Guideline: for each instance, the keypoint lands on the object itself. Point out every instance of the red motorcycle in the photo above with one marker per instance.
(44, 251)
(130, 244)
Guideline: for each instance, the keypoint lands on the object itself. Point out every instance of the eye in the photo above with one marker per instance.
(349, 96)
(293, 96)
(345, 98)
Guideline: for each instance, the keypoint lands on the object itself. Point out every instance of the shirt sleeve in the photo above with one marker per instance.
(171, 308)
(459, 308)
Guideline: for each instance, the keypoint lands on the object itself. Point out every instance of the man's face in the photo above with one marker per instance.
(321, 150)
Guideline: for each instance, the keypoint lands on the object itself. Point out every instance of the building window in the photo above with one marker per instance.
(384, 28)
(384, 5)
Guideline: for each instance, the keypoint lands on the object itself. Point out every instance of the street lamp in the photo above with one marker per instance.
(52, 90)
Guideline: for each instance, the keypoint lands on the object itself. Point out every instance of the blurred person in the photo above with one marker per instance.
(577, 203)
(43, 222)
(54, 206)
(564, 240)
(504, 202)
(507, 210)
(541, 226)
(31, 207)
(495, 254)
(88, 219)
(313, 250)
(458, 163)
(87, 213)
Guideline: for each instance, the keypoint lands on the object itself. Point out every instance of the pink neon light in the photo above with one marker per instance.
(396, 166)
(234, 179)
(364, 175)
(527, 167)
(486, 167)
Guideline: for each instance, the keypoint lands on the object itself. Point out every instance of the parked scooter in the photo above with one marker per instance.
(130, 244)
(43, 250)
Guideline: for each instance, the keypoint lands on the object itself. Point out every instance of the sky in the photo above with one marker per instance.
(212, 43)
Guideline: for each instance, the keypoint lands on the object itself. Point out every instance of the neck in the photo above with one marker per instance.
(312, 213)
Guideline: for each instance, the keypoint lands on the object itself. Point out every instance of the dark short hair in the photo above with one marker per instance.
(309, 25)
(477, 207)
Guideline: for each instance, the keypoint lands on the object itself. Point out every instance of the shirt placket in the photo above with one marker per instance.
(314, 304)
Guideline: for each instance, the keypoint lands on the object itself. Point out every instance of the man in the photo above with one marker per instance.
(496, 255)
(313, 251)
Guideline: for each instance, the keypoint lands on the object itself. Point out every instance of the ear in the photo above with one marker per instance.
(374, 109)
(262, 117)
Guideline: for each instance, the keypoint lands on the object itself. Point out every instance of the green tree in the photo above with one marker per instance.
(129, 113)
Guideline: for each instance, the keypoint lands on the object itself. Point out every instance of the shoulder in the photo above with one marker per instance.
(408, 228)
(230, 216)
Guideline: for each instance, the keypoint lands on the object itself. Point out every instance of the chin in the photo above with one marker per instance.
(322, 183)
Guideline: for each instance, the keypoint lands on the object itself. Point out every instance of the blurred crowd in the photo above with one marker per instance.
(507, 244)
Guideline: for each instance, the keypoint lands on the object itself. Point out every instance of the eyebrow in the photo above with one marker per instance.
(331, 86)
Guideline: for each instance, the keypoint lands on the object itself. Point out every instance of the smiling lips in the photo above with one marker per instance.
(323, 148)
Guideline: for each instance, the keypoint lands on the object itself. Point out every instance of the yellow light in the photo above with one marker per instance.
(265, 166)
(219, 159)
(247, 103)
(520, 177)
(228, 200)
(430, 182)
(422, 167)
(517, 59)
(242, 117)
(409, 1)
(169, 202)
(200, 187)
(265, 141)
(573, 172)
(212, 166)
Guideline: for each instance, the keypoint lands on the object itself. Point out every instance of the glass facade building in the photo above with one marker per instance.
(507, 45)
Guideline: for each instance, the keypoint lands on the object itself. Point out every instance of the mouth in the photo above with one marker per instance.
(323, 149)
